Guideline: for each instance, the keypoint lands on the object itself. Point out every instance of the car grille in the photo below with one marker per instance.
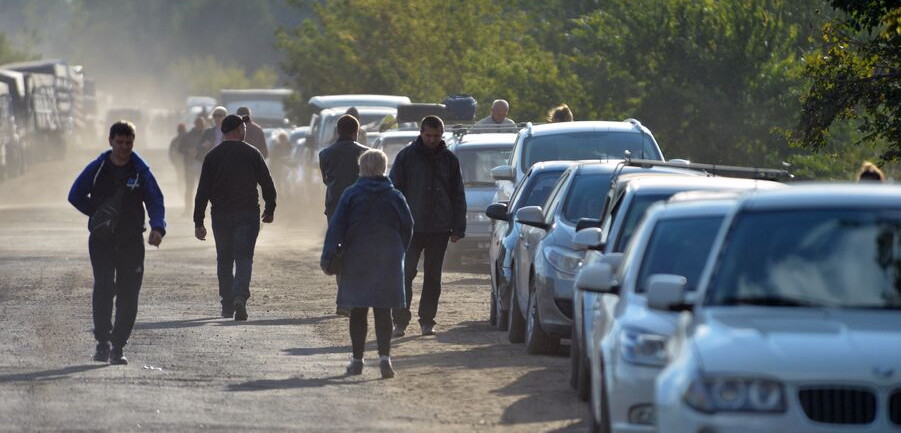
(844, 405)
(565, 306)
(894, 408)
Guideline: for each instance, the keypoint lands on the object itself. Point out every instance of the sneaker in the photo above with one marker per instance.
(116, 357)
(342, 311)
(102, 352)
(386, 368)
(240, 310)
(399, 331)
(355, 368)
(228, 312)
(428, 329)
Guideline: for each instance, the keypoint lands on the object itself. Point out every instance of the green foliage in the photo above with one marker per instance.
(216, 76)
(10, 53)
(856, 77)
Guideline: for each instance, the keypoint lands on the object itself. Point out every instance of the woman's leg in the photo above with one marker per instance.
(383, 326)
(358, 330)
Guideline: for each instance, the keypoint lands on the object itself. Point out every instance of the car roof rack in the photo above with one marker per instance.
(714, 169)
(459, 130)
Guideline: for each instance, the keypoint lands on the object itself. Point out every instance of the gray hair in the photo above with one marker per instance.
(501, 102)
(373, 163)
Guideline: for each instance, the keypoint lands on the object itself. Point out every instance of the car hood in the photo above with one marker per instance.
(479, 197)
(800, 344)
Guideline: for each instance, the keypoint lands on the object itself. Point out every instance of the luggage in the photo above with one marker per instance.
(460, 108)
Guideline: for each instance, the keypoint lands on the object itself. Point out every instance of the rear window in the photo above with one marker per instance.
(679, 246)
(574, 146)
(586, 196)
(476, 163)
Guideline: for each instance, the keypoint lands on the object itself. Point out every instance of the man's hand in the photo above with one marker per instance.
(268, 217)
(455, 238)
(200, 233)
(155, 238)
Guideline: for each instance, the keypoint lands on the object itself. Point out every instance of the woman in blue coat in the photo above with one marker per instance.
(373, 226)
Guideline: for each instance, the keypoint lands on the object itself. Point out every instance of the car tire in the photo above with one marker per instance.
(575, 354)
(502, 314)
(537, 341)
(515, 323)
(492, 309)
(583, 381)
(600, 422)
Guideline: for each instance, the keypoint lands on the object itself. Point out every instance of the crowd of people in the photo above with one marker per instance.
(379, 224)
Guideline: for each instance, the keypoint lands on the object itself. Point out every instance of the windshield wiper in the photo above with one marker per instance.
(768, 301)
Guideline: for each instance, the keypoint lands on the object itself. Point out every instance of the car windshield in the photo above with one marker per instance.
(640, 204)
(678, 246)
(392, 145)
(835, 258)
(586, 196)
(476, 163)
(538, 190)
(574, 146)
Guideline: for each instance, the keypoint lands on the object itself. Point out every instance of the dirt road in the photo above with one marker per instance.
(280, 371)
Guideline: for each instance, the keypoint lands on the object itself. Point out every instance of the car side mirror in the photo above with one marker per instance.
(666, 292)
(497, 211)
(585, 223)
(531, 216)
(503, 172)
(588, 239)
(597, 278)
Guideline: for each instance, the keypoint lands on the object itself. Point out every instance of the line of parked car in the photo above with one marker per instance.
(696, 298)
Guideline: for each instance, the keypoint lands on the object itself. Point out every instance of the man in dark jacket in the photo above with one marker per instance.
(119, 178)
(255, 135)
(229, 178)
(428, 174)
(339, 162)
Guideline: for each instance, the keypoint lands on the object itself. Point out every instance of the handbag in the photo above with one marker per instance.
(102, 223)
(335, 264)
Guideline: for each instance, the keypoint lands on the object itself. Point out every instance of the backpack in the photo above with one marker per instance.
(102, 223)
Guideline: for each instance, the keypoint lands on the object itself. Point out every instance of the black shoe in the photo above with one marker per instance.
(428, 329)
(342, 311)
(116, 357)
(240, 310)
(228, 312)
(102, 352)
(355, 368)
(399, 331)
(386, 368)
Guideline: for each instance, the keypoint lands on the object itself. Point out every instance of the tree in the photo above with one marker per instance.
(856, 77)
(10, 54)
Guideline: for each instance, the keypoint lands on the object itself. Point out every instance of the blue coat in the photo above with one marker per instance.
(374, 236)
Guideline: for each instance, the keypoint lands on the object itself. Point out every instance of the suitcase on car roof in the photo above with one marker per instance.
(460, 108)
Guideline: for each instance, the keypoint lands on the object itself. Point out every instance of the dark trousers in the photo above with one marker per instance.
(118, 273)
(433, 245)
(358, 330)
(236, 237)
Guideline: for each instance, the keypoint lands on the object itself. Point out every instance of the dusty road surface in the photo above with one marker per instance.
(283, 370)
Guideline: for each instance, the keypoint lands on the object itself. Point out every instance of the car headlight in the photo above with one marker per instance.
(735, 394)
(563, 260)
(477, 217)
(643, 348)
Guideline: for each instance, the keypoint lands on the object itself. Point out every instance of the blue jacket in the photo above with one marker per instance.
(96, 183)
(374, 236)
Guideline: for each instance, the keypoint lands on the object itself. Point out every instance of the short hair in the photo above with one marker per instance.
(347, 126)
(501, 102)
(353, 112)
(560, 113)
(373, 163)
(243, 111)
(220, 110)
(870, 172)
(122, 127)
(431, 121)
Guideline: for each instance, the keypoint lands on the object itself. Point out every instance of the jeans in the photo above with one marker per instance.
(434, 245)
(118, 267)
(236, 236)
(358, 330)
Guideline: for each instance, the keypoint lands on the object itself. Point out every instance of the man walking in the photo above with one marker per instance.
(339, 162)
(428, 174)
(190, 146)
(255, 135)
(120, 184)
(228, 180)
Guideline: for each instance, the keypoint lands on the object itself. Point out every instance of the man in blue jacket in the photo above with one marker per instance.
(118, 178)
(428, 174)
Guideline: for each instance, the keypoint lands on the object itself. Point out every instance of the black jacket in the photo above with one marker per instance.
(340, 168)
(433, 186)
(229, 178)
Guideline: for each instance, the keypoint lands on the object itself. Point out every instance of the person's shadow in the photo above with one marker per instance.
(46, 375)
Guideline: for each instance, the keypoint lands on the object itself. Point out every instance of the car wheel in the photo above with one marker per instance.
(583, 381)
(492, 309)
(574, 356)
(537, 341)
(502, 314)
(600, 412)
(515, 323)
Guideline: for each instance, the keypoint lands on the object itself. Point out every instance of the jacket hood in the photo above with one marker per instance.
(419, 146)
(799, 343)
(375, 184)
(140, 165)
